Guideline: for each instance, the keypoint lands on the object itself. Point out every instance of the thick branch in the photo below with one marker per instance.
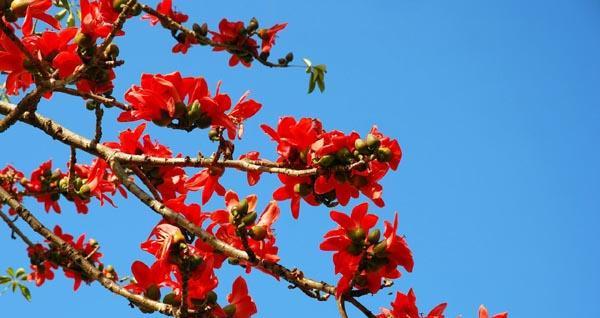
(80, 260)
(68, 137)
(28, 102)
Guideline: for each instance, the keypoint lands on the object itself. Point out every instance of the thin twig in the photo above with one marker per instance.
(15, 229)
(72, 163)
(140, 174)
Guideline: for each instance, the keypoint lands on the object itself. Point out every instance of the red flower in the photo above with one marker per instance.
(12, 62)
(268, 36)
(191, 212)
(234, 40)
(162, 237)
(208, 181)
(295, 188)
(259, 233)
(483, 313)
(241, 303)
(164, 98)
(146, 277)
(294, 137)
(9, 177)
(35, 9)
(57, 48)
(165, 7)
(97, 18)
(201, 281)
(404, 306)
(253, 176)
(41, 268)
(41, 181)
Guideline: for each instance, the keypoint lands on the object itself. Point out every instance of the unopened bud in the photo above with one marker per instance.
(373, 142)
(152, 292)
(361, 146)
(384, 154)
(289, 57)
(171, 299)
(18, 7)
(250, 218)
(357, 235)
(211, 297)
(258, 232)
(253, 25)
(374, 236)
(326, 161)
(302, 189)
(213, 134)
(242, 206)
(380, 248)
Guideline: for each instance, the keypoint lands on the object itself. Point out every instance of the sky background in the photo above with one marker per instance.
(496, 105)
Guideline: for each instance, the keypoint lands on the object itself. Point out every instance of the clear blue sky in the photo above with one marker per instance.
(496, 105)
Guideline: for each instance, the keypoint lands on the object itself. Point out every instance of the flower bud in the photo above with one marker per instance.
(136, 10)
(83, 40)
(373, 142)
(252, 26)
(250, 218)
(380, 248)
(55, 196)
(229, 310)
(117, 4)
(195, 261)
(384, 154)
(93, 242)
(282, 61)
(302, 189)
(326, 161)
(289, 57)
(85, 189)
(343, 155)
(171, 299)
(357, 234)
(374, 236)
(354, 249)
(111, 51)
(258, 232)
(178, 237)
(194, 112)
(18, 7)
(152, 292)
(213, 134)
(211, 297)
(361, 146)
(233, 261)
(242, 206)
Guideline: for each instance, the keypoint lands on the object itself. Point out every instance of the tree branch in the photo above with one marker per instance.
(80, 260)
(15, 229)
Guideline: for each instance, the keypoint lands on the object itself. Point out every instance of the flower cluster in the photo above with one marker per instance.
(164, 99)
(47, 185)
(346, 164)
(169, 181)
(240, 221)
(237, 39)
(178, 263)
(9, 178)
(45, 259)
(361, 256)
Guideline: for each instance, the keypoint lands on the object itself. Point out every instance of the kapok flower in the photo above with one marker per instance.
(241, 304)
(268, 36)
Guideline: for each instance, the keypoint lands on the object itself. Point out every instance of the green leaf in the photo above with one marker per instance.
(20, 273)
(4, 280)
(25, 292)
(311, 82)
(321, 84)
(11, 272)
